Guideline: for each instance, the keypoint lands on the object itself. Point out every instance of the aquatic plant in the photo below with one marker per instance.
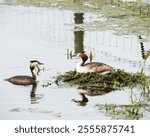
(106, 82)
(123, 14)
(110, 107)
(92, 5)
(142, 80)
(131, 111)
(120, 111)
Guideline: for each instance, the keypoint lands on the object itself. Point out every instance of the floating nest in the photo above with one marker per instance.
(104, 82)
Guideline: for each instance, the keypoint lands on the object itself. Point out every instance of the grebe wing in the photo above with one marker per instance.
(94, 64)
(21, 80)
(99, 67)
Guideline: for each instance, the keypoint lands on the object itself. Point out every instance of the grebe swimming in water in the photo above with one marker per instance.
(81, 67)
(27, 80)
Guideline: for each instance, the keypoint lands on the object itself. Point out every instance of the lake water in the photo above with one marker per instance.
(45, 34)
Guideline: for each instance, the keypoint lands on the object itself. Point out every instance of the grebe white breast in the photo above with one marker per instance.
(27, 80)
(81, 67)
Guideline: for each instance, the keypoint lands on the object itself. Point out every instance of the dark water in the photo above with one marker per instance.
(28, 33)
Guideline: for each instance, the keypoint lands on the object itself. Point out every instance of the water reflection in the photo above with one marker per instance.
(78, 33)
(33, 96)
(84, 93)
(83, 101)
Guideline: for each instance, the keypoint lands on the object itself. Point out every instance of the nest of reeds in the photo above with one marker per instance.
(104, 82)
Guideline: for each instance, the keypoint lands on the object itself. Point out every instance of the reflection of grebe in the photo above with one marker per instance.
(34, 97)
(27, 80)
(81, 102)
(84, 93)
(81, 67)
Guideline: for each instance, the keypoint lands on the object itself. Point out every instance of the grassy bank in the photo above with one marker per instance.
(129, 18)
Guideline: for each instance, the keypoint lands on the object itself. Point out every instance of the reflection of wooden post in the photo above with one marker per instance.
(78, 34)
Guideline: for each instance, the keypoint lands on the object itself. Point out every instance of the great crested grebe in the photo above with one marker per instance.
(81, 67)
(27, 80)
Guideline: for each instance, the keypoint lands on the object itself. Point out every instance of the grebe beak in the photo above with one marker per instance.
(41, 63)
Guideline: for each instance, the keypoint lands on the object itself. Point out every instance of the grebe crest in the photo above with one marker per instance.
(81, 67)
(35, 63)
(27, 80)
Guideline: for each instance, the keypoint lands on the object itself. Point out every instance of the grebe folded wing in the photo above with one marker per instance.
(94, 64)
(98, 67)
(21, 80)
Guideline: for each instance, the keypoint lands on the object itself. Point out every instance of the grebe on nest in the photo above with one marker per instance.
(81, 67)
(27, 80)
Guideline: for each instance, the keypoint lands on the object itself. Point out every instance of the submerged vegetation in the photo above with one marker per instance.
(132, 111)
(105, 82)
(121, 111)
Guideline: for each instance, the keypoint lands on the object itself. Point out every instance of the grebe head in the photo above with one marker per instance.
(82, 56)
(34, 67)
(35, 63)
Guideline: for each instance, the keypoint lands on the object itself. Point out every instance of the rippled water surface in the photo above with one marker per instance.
(45, 34)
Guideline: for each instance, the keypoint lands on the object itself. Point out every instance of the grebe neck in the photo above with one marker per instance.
(34, 74)
(81, 63)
